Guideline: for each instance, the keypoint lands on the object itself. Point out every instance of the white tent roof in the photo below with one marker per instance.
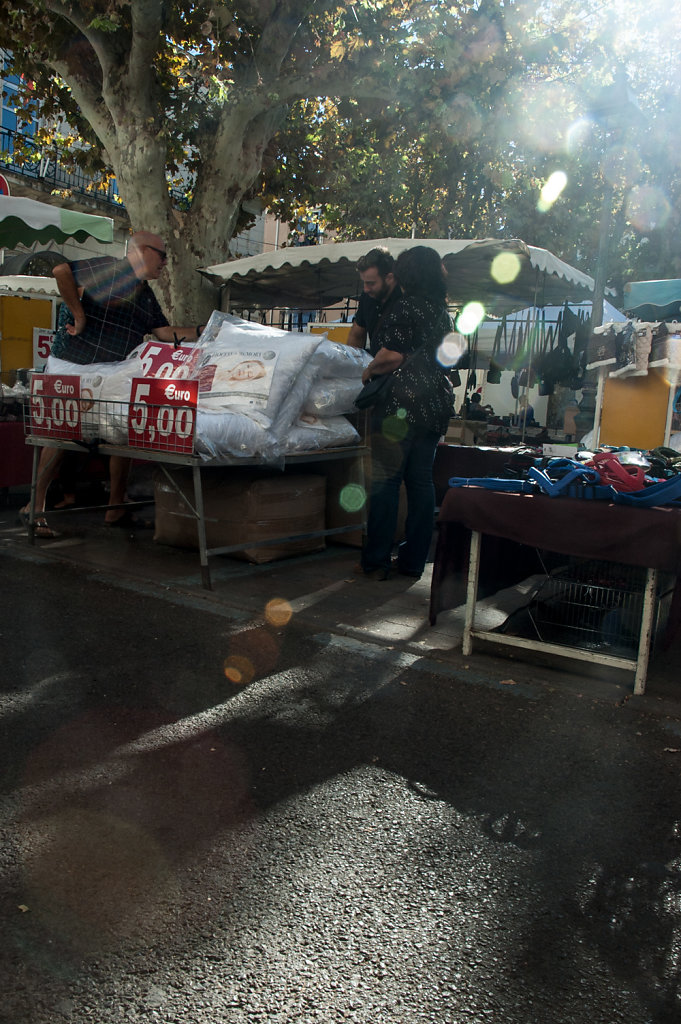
(23, 284)
(315, 277)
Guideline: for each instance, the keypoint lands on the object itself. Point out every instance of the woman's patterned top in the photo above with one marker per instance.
(421, 391)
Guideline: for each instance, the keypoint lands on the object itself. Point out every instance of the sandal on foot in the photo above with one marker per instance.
(42, 530)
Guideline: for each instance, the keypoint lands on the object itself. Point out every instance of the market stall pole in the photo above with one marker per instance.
(157, 425)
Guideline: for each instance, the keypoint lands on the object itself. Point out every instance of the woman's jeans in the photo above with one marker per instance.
(400, 452)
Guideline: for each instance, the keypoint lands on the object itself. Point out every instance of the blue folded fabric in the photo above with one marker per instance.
(494, 484)
(667, 492)
(577, 477)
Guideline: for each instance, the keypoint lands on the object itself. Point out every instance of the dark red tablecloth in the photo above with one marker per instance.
(16, 457)
(469, 461)
(569, 526)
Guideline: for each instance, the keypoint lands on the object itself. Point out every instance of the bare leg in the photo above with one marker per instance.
(48, 467)
(119, 469)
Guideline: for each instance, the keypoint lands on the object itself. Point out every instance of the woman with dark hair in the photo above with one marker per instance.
(407, 426)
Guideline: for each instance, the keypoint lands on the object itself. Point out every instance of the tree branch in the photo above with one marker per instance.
(74, 15)
(147, 23)
(279, 32)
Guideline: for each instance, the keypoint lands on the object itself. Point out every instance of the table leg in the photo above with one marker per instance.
(471, 592)
(201, 528)
(645, 636)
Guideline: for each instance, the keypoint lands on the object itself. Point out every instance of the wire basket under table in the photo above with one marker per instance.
(597, 605)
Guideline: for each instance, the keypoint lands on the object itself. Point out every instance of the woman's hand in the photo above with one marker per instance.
(385, 361)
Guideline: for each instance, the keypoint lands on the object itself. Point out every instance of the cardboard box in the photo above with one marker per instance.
(240, 507)
(346, 481)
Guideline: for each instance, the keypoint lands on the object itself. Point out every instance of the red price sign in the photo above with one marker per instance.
(42, 344)
(163, 360)
(162, 414)
(56, 406)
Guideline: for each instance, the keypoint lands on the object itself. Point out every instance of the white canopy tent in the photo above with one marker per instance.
(25, 285)
(317, 277)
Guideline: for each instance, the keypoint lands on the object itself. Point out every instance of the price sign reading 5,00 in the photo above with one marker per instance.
(163, 414)
(55, 406)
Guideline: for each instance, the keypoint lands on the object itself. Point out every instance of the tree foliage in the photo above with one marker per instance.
(444, 117)
(471, 161)
(153, 90)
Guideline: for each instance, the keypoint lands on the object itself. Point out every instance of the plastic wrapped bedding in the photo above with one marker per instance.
(262, 392)
(104, 395)
(329, 397)
(231, 433)
(244, 367)
(315, 433)
(335, 360)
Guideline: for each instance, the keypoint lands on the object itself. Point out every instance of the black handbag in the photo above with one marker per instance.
(374, 392)
(377, 389)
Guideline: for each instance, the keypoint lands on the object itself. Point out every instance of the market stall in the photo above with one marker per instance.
(243, 396)
(596, 603)
(504, 276)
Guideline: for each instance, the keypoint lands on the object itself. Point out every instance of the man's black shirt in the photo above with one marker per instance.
(370, 311)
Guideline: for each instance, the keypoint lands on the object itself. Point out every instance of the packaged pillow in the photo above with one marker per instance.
(252, 368)
(311, 433)
(104, 395)
(332, 397)
(231, 434)
(336, 360)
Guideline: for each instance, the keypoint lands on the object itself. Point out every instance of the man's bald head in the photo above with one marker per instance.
(147, 254)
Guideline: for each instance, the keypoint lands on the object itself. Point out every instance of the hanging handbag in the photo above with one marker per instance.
(377, 389)
(374, 392)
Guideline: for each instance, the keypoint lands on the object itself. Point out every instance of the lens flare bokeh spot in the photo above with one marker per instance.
(395, 427)
(239, 669)
(551, 190)
(278, 612)
(470, 317)
(253, 653)
(352, 498)
(648, 208)
(452, 348)
(505, 267)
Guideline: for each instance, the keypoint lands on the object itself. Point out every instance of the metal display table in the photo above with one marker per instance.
(196, 509)
(160, 425)
(590, 530)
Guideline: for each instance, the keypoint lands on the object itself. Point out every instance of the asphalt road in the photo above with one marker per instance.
(206, 820)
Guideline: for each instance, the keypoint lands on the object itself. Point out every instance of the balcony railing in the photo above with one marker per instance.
(51, 172)
(55, 176)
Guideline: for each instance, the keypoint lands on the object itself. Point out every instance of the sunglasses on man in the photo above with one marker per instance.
(161, 252)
